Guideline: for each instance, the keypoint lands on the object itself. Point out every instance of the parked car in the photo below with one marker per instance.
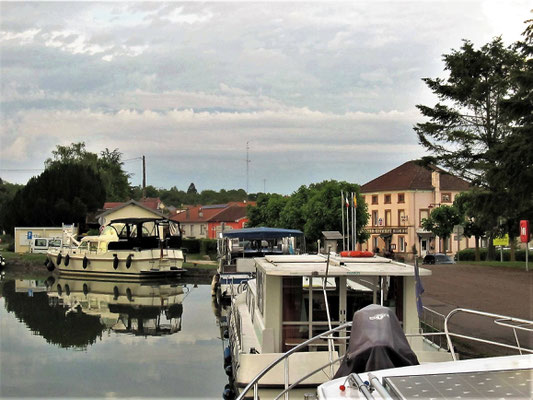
(437, 258)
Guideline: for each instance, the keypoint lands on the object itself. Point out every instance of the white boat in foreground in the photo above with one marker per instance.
(508, 377)
(288, 331)
(129, 247)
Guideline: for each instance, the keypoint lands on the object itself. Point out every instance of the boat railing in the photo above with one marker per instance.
(501, 320)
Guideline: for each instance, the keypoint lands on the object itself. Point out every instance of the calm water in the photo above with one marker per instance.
(88, 339)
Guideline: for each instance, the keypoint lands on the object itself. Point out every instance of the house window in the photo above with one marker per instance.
(388, 218)
(401, 244)
(446, 198)
(374, 218)
(374, 199)
(401, 218)
(401, 198)
(423, 214)
(375, 243)
(387, 199)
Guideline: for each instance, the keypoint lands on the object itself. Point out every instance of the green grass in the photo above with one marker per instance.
(29, 257)
(505, 264)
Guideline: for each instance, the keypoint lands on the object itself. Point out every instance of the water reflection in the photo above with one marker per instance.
(148, 309)
(140, 342)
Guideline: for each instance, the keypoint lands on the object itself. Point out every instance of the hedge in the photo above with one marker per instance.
(470, 255)
(200, 246)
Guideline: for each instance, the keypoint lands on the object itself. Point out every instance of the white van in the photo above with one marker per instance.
(41, 245)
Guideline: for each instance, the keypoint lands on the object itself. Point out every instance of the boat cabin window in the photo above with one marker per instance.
(304, 307)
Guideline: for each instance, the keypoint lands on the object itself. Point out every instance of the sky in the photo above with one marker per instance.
(316, 90)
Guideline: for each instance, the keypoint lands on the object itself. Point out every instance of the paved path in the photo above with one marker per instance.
(503, 291)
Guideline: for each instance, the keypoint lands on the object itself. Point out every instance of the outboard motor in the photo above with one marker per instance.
(377, 342)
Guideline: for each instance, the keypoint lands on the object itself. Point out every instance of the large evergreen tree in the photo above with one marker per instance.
(468, 122)
(63, 193)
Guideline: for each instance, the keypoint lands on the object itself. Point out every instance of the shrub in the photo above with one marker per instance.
(470, 255)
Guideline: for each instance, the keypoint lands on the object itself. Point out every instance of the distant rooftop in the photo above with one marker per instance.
(411, 176)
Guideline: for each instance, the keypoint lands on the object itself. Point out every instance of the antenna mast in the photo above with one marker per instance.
(247, 165)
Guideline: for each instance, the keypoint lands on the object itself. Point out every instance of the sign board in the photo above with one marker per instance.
(459, 230)
(524, 231)
(29, 235)
(501, 241)
(402, 231)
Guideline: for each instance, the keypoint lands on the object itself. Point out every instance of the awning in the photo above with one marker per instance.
(261, 233)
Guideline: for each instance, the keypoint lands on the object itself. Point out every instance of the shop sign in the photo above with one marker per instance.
(399, 231)
(524, 231)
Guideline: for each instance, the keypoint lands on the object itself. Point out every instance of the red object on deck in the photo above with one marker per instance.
(524, 231)
(357, 254)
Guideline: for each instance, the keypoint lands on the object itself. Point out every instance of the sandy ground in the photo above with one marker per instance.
(503, 291)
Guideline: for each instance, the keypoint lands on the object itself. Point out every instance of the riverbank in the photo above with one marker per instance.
(30, 265)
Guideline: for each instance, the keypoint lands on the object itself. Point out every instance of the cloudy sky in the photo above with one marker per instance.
(319, 90)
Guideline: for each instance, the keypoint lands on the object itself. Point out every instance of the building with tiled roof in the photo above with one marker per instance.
(398, 201)
(129, 209)
(210, 220)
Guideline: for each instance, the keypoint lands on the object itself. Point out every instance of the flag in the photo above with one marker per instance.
(419, 289)
(347, 202)
(355, 200)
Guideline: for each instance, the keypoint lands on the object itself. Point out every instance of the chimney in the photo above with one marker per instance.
(435, 182)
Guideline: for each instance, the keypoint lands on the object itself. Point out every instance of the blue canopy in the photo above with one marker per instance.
(261, 233)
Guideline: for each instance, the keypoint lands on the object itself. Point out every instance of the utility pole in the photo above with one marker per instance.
(264, 185)
(144, 177)
(247, 165)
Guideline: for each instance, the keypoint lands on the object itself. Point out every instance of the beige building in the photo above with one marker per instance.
(25, 235)
(129, 209)
(400, 199)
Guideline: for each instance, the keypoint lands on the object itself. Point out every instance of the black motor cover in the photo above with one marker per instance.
(377, 342)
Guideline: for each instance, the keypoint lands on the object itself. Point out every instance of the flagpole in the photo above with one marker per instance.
(353, 224)
(342, 210)
(348, 240)
(355, 217)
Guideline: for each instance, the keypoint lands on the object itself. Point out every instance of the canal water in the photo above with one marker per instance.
(67, 338)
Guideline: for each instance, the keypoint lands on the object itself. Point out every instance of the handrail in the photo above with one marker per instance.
(500, 320)
(286, 355)
(485, 314)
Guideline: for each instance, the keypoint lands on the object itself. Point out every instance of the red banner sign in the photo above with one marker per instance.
(524, 231)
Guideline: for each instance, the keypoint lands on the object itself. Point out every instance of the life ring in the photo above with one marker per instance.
(58, 259)
(357, 253)
(128, 261)
(85, 262)
(67, 260)
(115, 261)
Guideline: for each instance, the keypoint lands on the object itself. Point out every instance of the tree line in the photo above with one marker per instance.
(77, 182)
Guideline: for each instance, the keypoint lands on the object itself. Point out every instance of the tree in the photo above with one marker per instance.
(63, 193)
(310, 209)
(473, 220)
(441, 222)
(468, 123)
(192, 189)
(108, 166)
(469, 129)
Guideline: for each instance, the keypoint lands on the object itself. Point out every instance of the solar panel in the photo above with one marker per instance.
(513, 384)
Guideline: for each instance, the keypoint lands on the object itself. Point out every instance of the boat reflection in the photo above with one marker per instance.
(138, 308)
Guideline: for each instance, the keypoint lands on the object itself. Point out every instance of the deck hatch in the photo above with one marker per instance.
(516, 384)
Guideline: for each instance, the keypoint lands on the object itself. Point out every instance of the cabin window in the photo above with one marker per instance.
(304, 309)
(260, 276)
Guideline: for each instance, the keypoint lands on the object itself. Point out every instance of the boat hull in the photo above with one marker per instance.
(151, 263)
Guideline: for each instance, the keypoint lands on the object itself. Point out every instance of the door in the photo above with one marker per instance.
(423, 247)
